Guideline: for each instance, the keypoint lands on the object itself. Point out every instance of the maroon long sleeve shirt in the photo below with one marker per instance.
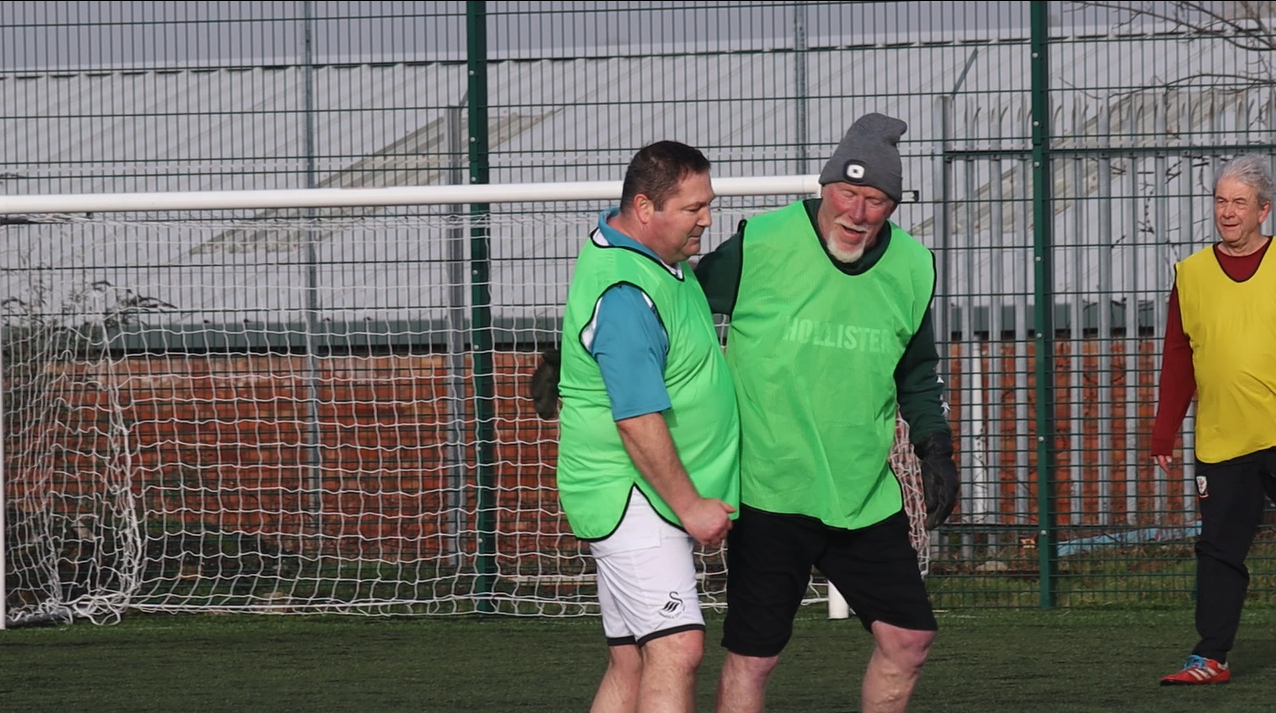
(1178, 379)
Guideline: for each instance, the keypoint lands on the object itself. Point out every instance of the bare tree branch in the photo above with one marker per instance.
(1218, 23)
(1246, 82)
(1248, 32)
(1210, 10)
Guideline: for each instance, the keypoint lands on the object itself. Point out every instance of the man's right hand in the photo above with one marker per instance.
(1165, 462)
(707, 521)
(649, 444)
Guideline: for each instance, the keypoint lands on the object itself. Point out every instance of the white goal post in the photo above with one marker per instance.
(300, 401)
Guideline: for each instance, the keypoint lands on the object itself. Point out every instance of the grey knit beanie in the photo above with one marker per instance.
(867, 156)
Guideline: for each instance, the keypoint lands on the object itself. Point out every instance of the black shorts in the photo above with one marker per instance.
(769, 560)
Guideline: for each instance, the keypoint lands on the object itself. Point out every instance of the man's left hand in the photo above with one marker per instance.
(940, 484)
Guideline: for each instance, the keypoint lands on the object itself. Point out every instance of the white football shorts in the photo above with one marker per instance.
(646, 577)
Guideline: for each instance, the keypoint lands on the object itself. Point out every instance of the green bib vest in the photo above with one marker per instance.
(595, 472)
(813, 352)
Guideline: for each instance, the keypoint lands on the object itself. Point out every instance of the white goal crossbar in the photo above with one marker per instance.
(399, 195)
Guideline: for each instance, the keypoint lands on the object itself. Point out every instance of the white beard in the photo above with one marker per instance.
(847, 256)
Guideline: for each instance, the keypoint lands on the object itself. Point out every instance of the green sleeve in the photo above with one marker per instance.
(920, 391)
(719, 273)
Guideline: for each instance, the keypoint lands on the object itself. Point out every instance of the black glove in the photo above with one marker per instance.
(940, 485)
(545, 384)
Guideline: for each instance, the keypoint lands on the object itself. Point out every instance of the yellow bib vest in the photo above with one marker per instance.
(595, 472)
(1232, 329)
(813, 352)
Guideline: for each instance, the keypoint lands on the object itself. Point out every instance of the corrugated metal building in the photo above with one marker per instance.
(755, 106)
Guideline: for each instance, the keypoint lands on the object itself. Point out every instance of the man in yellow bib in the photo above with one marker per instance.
(1220, 342)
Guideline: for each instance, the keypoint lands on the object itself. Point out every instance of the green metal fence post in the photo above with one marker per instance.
(1042, 247)
(314, 435)
(481, 311)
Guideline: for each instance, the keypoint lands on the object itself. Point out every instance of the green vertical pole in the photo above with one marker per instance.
(1042, 244)
(481, 311)
(314, 435)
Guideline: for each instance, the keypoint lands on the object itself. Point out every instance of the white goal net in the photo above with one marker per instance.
(295, 411)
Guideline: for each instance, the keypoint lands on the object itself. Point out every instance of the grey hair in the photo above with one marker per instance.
(1253, 170)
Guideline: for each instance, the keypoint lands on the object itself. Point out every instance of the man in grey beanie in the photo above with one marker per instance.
(830, 334)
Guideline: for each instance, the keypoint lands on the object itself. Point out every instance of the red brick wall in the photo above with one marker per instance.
(1077, 364)
(219, 442)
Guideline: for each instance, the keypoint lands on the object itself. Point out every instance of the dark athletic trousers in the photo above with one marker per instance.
(1232, 502)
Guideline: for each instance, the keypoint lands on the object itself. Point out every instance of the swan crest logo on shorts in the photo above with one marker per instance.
(1202, 487)
(855, 170)
(673, 607)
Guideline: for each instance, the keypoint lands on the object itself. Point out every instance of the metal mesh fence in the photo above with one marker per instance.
(1059, 157)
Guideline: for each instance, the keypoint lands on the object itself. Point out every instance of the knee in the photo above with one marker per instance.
(686, 658)
(625, 661)
(681, 652)
(750, 668)
(907, 649)
(1232, 555)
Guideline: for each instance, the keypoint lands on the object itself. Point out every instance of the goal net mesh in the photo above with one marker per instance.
(296, 412)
